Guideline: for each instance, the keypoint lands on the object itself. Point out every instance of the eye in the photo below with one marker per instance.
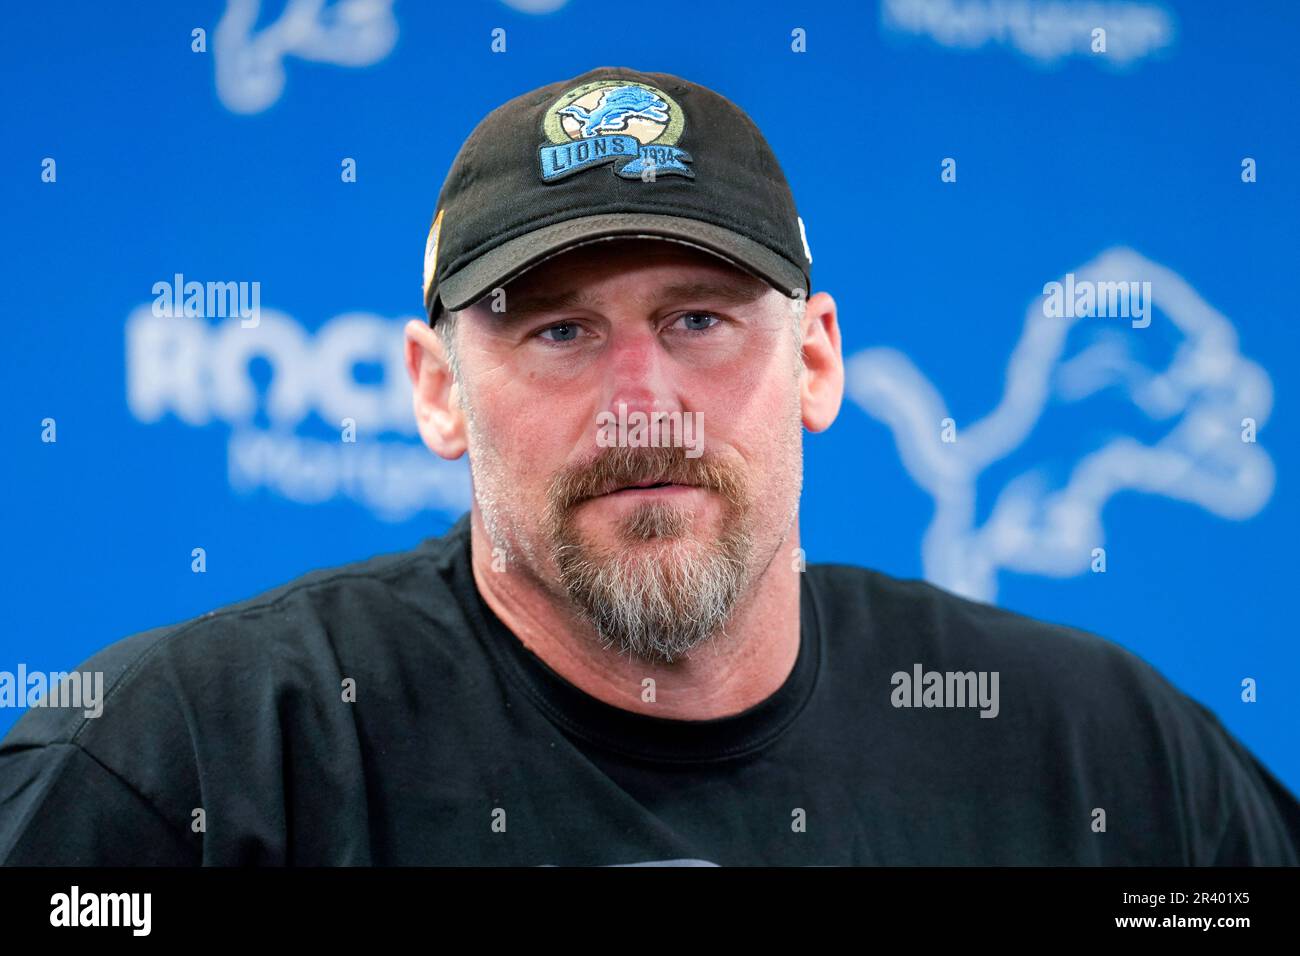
(698, 321)
(564, 332)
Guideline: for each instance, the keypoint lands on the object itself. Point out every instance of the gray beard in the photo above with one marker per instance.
(655, 608)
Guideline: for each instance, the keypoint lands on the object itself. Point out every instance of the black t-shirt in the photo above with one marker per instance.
(462, 747)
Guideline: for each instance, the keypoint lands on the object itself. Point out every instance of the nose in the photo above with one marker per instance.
(638, 374)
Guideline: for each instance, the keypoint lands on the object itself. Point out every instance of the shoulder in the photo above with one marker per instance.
(1047, 671)
(211, 712)
(297, 633)
(1053, 679)
(1073, 703)
(906, 615)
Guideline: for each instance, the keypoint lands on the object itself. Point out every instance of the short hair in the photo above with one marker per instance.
(445, 325)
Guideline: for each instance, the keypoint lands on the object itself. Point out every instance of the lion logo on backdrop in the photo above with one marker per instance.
(1204, 404)
(250, 61)
(250, 69)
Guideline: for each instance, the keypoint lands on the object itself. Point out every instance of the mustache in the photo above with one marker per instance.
(620, 467)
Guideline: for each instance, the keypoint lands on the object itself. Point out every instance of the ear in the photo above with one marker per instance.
(822, 388)
(435, 397)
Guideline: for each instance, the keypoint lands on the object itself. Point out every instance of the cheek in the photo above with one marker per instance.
(757, 384)
(530, 435)
(761, 428)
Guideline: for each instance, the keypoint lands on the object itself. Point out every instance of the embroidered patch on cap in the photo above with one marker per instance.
(431, 253)
(631, 125)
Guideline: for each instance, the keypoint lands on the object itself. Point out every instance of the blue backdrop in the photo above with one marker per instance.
(949, 158)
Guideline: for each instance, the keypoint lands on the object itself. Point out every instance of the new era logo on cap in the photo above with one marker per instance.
(431, 252)
(613, 152)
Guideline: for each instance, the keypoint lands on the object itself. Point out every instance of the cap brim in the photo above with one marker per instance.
(513, 258)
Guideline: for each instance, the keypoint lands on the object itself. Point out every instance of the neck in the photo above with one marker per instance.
(726, 675)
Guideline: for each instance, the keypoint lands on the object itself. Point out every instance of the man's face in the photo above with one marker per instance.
(602, 334)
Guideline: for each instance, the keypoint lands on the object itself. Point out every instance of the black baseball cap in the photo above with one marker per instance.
(613, 152)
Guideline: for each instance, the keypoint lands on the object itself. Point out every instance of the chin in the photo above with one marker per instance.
(658, 526)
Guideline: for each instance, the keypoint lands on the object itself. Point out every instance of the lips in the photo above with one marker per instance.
(646, 485)
(642, 485)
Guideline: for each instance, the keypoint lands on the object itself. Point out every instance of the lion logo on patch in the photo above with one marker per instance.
(630, 126)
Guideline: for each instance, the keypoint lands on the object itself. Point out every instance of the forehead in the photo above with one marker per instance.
(660, 268)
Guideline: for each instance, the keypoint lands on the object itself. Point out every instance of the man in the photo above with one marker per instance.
(620, 655)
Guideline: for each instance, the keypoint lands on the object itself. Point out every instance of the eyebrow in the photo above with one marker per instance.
(522, 306)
